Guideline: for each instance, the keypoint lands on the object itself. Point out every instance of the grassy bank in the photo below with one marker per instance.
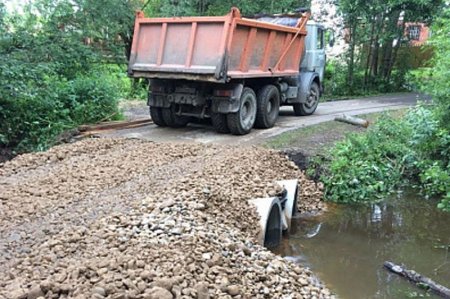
(318, 139)
(359, 165)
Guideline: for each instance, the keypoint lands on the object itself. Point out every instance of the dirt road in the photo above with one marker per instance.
(204, 133)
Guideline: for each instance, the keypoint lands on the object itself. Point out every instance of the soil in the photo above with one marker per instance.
(5, 154)
(122, 218)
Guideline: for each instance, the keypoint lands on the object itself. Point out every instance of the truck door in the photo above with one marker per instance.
(314, 59)
(320, 53)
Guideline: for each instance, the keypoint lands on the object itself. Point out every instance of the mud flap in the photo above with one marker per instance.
(228, 105)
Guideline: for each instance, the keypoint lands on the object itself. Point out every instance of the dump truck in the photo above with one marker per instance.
(235, 70)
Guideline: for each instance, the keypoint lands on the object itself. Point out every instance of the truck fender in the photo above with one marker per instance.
(228, 104)
(304, 80)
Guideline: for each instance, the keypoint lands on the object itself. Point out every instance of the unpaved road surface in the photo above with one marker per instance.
(123, 218)
(204, 133)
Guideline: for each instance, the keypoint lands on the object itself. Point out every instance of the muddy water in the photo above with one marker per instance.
(347, 247)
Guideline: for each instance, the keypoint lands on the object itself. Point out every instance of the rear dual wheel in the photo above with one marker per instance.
(157, 117)
(268, 107)
(172, 119)
(242, 121)
(164, 117)
(219, 122)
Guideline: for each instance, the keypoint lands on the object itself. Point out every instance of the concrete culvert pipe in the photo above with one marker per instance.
(270, 220)
(290, 205)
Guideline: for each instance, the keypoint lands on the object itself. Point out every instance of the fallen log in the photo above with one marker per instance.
(418, 279)
(352, 120)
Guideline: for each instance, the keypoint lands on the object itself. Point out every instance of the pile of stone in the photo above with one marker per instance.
(115, 218)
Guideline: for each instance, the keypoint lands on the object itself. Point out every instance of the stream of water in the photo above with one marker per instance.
(346, 247)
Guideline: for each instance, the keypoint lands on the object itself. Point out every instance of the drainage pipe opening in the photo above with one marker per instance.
(270, 220)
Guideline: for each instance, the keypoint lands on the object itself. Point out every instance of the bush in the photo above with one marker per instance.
(367, 167)
(337, 86)
(31, 120)
(89, 98)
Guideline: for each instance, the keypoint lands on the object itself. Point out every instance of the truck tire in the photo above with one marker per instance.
(173, 120)
(156, 115)
(312, 100)
(219, 122)
(241, 122)
(268, 107)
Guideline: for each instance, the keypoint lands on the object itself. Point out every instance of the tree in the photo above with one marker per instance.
(375, 34)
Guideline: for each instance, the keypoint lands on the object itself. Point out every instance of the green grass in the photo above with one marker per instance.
(317, 138)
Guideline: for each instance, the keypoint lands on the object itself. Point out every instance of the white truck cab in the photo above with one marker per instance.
(314, 59)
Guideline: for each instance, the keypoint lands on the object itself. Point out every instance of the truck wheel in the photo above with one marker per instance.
(219, 122)
(156, 115)
(173, 120)
(312, 100)
(268, 106)
(241, 122)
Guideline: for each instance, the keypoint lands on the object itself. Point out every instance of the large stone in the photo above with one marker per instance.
(35, 292)
(157, 293)
(233, 290)
(202, 290)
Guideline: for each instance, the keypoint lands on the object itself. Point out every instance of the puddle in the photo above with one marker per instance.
(346, 248)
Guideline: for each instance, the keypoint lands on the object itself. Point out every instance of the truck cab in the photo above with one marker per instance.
(314, 59)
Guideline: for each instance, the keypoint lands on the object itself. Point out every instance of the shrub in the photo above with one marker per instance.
(89, 98)
(32, 118)
(366, 167)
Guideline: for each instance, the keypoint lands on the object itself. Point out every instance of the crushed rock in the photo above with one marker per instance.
(117, 218)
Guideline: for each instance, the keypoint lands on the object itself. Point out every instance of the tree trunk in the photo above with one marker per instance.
(387, 53)
(351, 62)
(376, 50)
(418, 279)
(397, 47)
(369, 54)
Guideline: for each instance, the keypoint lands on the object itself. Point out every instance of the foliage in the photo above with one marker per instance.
(415, 148)
(368, 166)
(434, 81)
(376, 60)
(32, 121)
(216, 7)
(62, 63)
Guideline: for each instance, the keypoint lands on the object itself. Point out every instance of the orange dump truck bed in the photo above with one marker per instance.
(215, 49)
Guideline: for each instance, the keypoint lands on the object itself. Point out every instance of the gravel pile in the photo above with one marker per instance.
(115, 218)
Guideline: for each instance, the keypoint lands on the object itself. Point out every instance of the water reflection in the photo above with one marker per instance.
(348, 246)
